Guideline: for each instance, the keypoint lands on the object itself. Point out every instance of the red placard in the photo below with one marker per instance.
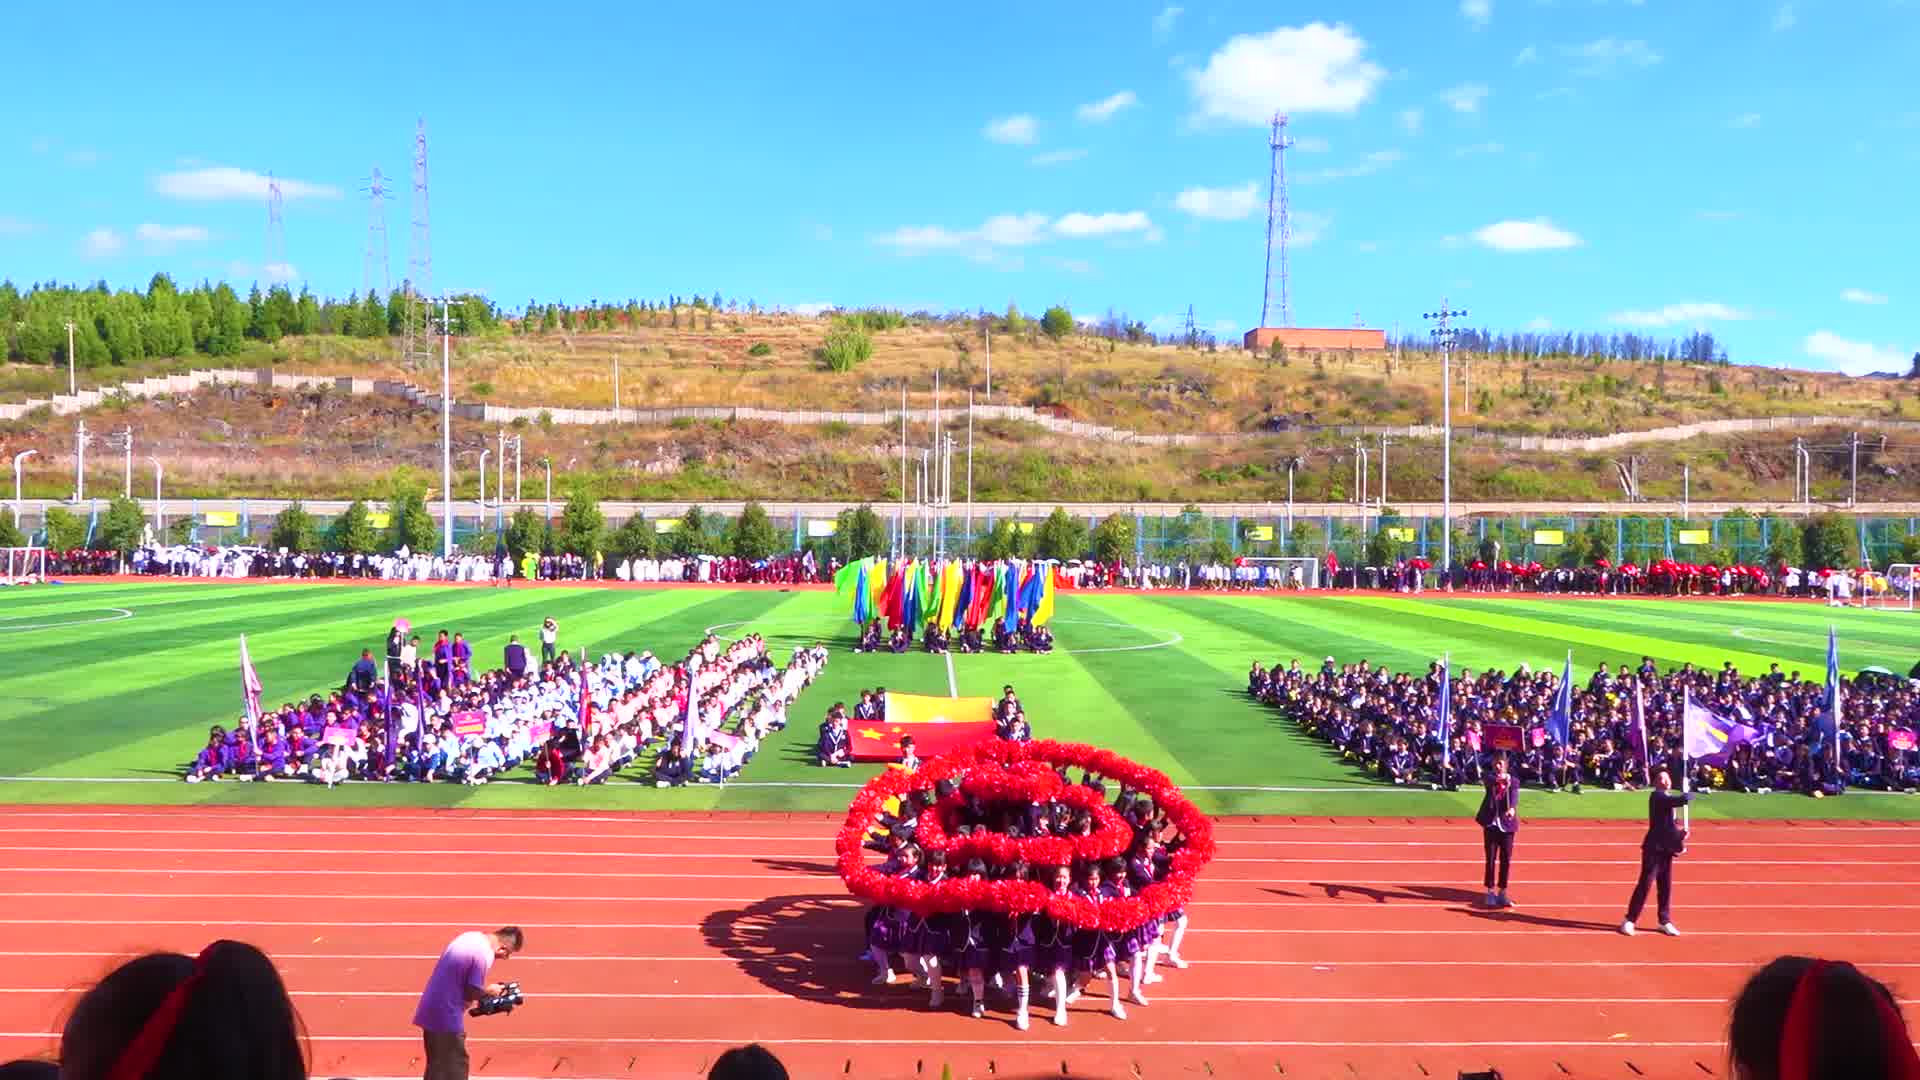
(1503, 737)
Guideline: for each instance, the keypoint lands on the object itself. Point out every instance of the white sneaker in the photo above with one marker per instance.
(1060, 1018)
(1155, 977)
(1119, 1011)
(1073, 995)
(1178, 963)
(1669, 929)
(1020, 1021)
(979, 1009)
(1137, 998)
(1627, 929)
(883, 980)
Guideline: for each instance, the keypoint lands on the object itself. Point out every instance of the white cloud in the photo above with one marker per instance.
(1058, 157)
(286, 272)
(1410, 120)
(1220, 204)
(1784, 17)
(1109, 224)
(1014, 230)
(1021, 129)
(1466, 97)
(1103, 110)
(102, 242)
(1540, 322)
(1312, 68)
(164, 238)
(1747, 120)
(1528, 55)
(1366, 166)
(1480, 148)
(1854, 357)
(1688, 313)
(221, 182)
(1862, 296)
(1477, 12)
(1163, 22)
(1536, 235)
(1071, 266)
(1606, 54)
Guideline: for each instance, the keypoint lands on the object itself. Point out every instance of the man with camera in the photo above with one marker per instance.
(459, 980)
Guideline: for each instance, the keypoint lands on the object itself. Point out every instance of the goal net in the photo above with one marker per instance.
(1895, 588)
(23, 566)
(1286, 572)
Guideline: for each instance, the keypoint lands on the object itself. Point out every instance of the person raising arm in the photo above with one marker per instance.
(1665, 838)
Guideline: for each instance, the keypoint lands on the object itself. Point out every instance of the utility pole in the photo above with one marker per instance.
(1359, 472)
(159, 508)
(516, 468)
(1383, 472)
(969, 466)
(1292, 464)
(987, 333)
(616, 389)
(125, 438)
(1853, 469)
(19, 461)
(482, 516)
(80, 440)
(900, 527)
(446, 418)
(1443, 336)
(70, 377)
(548, 462)
(500, 470)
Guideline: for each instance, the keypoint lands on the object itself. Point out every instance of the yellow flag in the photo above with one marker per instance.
(1043, 611)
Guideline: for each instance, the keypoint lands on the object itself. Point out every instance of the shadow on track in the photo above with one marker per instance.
(806, 946)
(1420, 894)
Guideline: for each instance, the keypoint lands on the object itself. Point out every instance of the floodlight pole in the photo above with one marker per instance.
(159, 508)
(446, 427)
(1443, 335)
(19, 460)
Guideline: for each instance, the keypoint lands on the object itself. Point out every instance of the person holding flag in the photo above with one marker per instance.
(1665, 838)
(1499, 821)
(1442, 725)
(250, 691)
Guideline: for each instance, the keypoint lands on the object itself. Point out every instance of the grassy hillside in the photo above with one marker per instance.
(230, 442)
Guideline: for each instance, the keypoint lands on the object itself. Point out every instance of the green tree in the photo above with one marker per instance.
(753, 535)
(846, 348)
(1057, 323)
(352, 533)
(294, 529)
(634, 539)
(10, 534)
(65, 530)
(1003, 541)
(120, 529)
(409, 525)
(583, 528)
(691, 538)
(859, 533)
(1061, 536)
(526, 532)
(1909, 547)
(1113, 538)
(1829, 541)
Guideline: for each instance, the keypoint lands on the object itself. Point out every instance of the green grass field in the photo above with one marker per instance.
(110, 687)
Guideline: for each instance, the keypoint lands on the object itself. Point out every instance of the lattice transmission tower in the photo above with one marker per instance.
(275, 268)
(1278, 229)
(375, 269)
(419, 286)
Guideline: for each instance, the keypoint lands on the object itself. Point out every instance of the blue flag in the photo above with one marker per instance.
(862, 607)
(1829, 721)
(1012, 621)
(1560, 720)
(966, 598)
(1443, 714)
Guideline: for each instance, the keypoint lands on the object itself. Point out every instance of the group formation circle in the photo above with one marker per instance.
(1168, 638)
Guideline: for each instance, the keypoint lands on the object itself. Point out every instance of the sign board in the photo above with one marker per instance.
(1260, 532)
(379, 519)
(1696, 537)
(1401, 534)
(220, 517)
(822, 528)
(1024, 526)
(1503, 737)
(1549, 537)
(666, 525)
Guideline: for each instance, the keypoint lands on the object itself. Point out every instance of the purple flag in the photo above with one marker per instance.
(250, 693)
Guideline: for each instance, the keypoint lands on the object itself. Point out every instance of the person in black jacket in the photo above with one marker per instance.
(1665, 838)
(1499, 821)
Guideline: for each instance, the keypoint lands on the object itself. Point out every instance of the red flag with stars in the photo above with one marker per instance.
(938, 725)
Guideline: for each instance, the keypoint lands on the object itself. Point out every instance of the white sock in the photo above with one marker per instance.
(1139, 973)
(1113, 987)
(933, 976)
(1179, 935)
(1059, 991)
(1020, 992)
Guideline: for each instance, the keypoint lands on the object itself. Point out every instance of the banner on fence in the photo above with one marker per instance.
(1260, 533)
(220, 517)
(1549, 537)
(379, 519)
(823, 528)
(1695, 537)
(665, 525)
(1402, 534)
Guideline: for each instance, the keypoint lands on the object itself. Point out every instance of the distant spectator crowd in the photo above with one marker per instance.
(1386, 723)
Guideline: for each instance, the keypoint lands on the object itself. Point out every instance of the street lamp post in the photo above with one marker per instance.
(19, 507)
(159, 508)
(548, 462)
(446, 427)
(483, 490)
(71, 385)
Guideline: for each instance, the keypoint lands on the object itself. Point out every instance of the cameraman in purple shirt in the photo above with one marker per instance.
(459, 980)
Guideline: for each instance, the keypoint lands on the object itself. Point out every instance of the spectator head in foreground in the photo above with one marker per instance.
(1805, 1019)
(224, 1015)
(753, 1062)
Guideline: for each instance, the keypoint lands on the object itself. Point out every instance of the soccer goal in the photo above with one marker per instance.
(1895, 588)
(24, 566)
(1283, 568)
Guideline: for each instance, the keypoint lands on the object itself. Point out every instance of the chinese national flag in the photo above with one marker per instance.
(938, 725)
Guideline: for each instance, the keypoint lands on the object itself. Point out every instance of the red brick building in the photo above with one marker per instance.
(1309, 339)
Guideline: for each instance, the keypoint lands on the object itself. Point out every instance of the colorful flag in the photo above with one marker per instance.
(938, 726)
(1443, 714)
(963, 598)
(1830, 720)
(586, 700)
(250, 690)
(1504, 737)
(1712, 738)
(846, 578)
(862, 608)
(876, 585)
(1043, 609)
(952, 582)
(1639, 733)
(1560, 719)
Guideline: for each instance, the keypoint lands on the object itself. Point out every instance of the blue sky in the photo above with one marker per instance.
(1653, 165)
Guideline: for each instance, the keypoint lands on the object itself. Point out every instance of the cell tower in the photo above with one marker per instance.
(1278, 229)
(374, 268)
(276, 264)
(419, 284)
(1192, 332)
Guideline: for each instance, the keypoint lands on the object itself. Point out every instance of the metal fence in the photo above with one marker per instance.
(1173, 538)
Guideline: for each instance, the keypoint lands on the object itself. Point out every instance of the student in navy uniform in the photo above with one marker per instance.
(1499, 821)
(1665, 838)
(1053, 947)
(516, 657)
(1010, 938)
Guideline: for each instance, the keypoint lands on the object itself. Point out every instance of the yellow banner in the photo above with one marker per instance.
(1696, 537)
(1026, 526)
(1259, 532)
(922, 709)
(220, 517)
(1549, 537)
(1403, 535)
(822, 528)
(666, 525)
(379, 519)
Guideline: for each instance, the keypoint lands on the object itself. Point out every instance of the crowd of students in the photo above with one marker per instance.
(1025, 637)
(430, 717)
(1386, 722)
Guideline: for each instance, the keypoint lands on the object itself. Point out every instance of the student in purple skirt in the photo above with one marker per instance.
(928, 935)
(1129, 948)
(1141, 873)
(968, 945)
(886, 925)
(1011, 939)
(1093, 952)
(1053, 946)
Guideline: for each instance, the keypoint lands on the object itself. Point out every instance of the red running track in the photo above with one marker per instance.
(1343, 948)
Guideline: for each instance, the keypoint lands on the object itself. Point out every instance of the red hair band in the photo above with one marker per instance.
(144, 1051)
(1796, 1040)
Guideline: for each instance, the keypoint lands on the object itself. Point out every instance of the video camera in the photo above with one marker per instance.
(495, 1004)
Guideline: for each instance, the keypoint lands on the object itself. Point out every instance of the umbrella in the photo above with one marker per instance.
(1875, 671)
